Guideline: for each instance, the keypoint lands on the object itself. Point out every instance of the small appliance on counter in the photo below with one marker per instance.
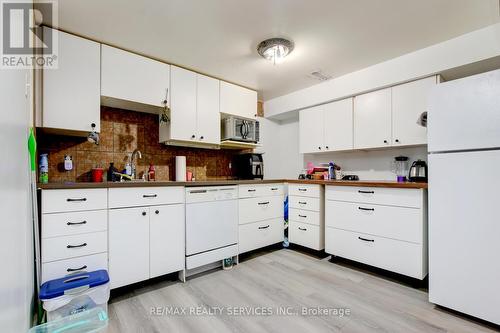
(418, 171)
(249, 166)
(400, 168)
(240, 129)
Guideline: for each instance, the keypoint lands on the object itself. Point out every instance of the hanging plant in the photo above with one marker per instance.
(165, 111)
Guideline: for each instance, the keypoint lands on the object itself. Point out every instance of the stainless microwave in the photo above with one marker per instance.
(240, 129)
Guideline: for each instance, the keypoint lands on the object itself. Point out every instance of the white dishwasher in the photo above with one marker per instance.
(211, 224)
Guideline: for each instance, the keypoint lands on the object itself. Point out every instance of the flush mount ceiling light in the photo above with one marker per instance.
(275, 49)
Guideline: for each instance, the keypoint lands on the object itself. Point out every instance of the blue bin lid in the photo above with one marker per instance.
(58, 287)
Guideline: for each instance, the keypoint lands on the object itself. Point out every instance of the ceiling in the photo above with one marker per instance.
(219, 37)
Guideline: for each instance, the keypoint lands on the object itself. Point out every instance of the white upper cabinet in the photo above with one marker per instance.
(207, 110)
(194, 110)
(311, 129)
(409, 101)
(71, 93)
(238, 101)
(183, 105)
(129, 80)
(338, 125)
(326, 127)
(372, 120)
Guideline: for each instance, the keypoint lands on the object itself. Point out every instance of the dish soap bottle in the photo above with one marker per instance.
(151, 173)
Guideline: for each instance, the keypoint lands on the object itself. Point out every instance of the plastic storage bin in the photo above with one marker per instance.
(93, 320)
(75, 293)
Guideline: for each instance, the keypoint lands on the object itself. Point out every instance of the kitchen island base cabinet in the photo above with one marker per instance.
(381, 227)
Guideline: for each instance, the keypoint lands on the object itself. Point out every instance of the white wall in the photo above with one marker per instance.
(16, 235)
(470, 48)
(280, 145)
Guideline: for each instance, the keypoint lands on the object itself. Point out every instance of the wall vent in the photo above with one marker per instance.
(319, 75)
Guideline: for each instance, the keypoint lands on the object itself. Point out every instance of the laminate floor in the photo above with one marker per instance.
(269, 292)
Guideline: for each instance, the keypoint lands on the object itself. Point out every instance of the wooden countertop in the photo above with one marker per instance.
(362, 183)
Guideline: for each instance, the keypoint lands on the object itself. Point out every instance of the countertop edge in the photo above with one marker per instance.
(361, 183)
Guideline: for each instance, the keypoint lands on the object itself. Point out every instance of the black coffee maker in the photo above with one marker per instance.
(249, 166)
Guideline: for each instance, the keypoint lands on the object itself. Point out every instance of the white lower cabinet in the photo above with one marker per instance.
(260, 216)
(60, 268)
(385, 228)
(306, 215)
(145, 242)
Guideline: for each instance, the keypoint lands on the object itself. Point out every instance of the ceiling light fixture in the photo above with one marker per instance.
(275, 49)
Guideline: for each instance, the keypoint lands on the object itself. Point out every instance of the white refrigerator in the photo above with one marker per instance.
(464, 195)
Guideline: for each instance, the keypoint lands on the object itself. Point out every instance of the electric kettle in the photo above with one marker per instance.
(418, 171)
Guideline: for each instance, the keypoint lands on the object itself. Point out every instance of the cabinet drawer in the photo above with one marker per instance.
(259, 190)
(305, 203)
(55, 201)
(145, 196)
(304, 216)
(260, 234)
(311, 236)
(259, 209)
(376, 195)
(65, 247)
(393, 255)
(60, 268)
(62, 224)
(399, 223)
(305, 190)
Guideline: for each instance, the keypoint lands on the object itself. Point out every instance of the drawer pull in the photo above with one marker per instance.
(263, 203)
(76, 246)
(69, 270)
(267, 226)
(366, 239)
(302, 229)
(274, 189)
(303, 216)
(76, 200)
(251, 190)
(370, 209)
(197, 191)
(157, 212)
(76, 223)
(302, 203)
(366, 192)
(150, 195)
(303, 189)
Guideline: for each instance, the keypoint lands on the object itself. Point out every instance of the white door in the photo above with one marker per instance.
(237, 100)
(409, 101)
(372, 119)
(464, 270)
(338, 125)
(166, 235)
(183, 104)
(465, 114)
(207, 110)
(211, 225)
(128, 235)
(311, 126)
(71, 93)
(131, 77)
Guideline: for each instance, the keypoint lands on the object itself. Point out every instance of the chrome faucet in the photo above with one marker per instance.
(133, 161)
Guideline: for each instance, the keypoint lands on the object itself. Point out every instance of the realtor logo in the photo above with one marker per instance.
(25, 44)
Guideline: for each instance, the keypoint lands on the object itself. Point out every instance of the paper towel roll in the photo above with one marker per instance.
(180, 168)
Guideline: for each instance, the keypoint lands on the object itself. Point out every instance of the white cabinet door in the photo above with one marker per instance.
(208, 116)
(71, 93)
(131, 77)
(128, 245)
(183, 105)
(338, 125)
(372, 119)
(237, 100)
(311, 129)
(409, 101)
(166, 234)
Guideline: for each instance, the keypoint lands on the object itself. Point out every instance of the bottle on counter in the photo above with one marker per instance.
(44, 168)
(128, 169)
(111, 177)
(331, 170)
(151, 173)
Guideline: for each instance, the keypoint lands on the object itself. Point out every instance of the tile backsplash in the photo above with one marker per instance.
(121, 133)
